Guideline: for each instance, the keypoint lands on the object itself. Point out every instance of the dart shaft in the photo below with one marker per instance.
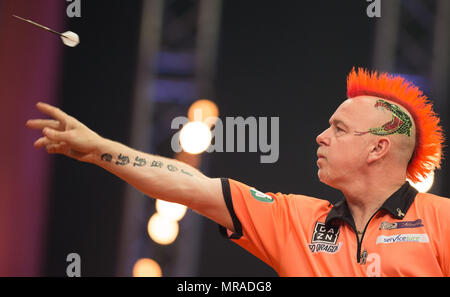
(38, 25)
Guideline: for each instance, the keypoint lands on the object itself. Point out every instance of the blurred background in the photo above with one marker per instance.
(139, 65)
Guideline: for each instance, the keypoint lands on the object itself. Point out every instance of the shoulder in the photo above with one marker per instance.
(428, 200)
(302, 205)
(304, 200)
(294, 204)
(433, 206)
(239, 187)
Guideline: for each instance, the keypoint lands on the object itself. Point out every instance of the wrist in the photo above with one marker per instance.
(103, 149)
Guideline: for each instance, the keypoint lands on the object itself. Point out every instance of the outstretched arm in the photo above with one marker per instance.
(156, 176)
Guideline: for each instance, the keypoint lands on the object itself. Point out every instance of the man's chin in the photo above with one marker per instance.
(324, 178)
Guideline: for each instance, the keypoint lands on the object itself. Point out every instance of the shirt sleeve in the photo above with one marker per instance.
(261, 220)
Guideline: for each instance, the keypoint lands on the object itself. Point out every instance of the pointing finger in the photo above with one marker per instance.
(52, 111)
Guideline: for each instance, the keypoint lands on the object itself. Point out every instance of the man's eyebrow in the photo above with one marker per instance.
(337, 122)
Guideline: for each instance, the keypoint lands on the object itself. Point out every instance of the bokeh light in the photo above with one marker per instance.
(171, 211)
(201, 110)
(162, 230)
(424, 185)
(195, 137)
(146, 267)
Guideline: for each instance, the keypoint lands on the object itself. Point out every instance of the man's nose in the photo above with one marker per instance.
(322, 138)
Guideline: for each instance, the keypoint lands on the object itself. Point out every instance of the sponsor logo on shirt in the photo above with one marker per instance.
(402, 238)
(324, 239)
(260, 196)
(399, 225)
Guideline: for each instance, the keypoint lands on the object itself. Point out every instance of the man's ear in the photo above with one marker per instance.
(379, 149)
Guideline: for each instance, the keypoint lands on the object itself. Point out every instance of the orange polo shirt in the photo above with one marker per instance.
(304, 236)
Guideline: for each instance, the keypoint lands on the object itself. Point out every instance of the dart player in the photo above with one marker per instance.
(384, 132)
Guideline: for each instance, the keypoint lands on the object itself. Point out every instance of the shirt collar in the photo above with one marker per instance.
(397, 205)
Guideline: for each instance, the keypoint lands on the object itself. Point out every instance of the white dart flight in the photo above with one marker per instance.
(69, 38)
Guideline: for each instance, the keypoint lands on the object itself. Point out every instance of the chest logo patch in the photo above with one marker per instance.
(324, 239)
(400, 225)
(402, 238)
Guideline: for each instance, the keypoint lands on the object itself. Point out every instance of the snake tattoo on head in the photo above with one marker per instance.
(400, 123)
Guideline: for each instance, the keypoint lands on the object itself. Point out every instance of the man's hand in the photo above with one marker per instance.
(65, 135)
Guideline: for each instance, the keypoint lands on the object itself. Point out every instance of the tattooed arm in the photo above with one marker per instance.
(156, 176)
(162, 178)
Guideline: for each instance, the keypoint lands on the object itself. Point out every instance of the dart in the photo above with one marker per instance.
(69, 38)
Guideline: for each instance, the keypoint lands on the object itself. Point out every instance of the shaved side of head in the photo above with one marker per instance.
(391, 120)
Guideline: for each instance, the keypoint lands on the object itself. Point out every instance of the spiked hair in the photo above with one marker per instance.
(427, 153)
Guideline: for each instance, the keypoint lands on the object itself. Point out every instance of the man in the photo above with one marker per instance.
(384, 133)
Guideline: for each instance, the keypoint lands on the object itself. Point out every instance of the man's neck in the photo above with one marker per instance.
(364, 199)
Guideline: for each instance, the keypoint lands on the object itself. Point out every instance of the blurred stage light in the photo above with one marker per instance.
(195, 137)
(424, 185)
(201, 110)
(146, 267)
(162, 230)
(170, 211)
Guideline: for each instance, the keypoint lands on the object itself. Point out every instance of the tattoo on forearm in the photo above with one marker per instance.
(122, 160)
(172, 168)
(107, 157)
(139, 162)
(156, 164)
(187, 173)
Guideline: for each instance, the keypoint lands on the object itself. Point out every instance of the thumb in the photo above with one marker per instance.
(54, 135)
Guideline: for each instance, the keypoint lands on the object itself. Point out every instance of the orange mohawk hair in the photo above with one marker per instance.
(429, 135)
